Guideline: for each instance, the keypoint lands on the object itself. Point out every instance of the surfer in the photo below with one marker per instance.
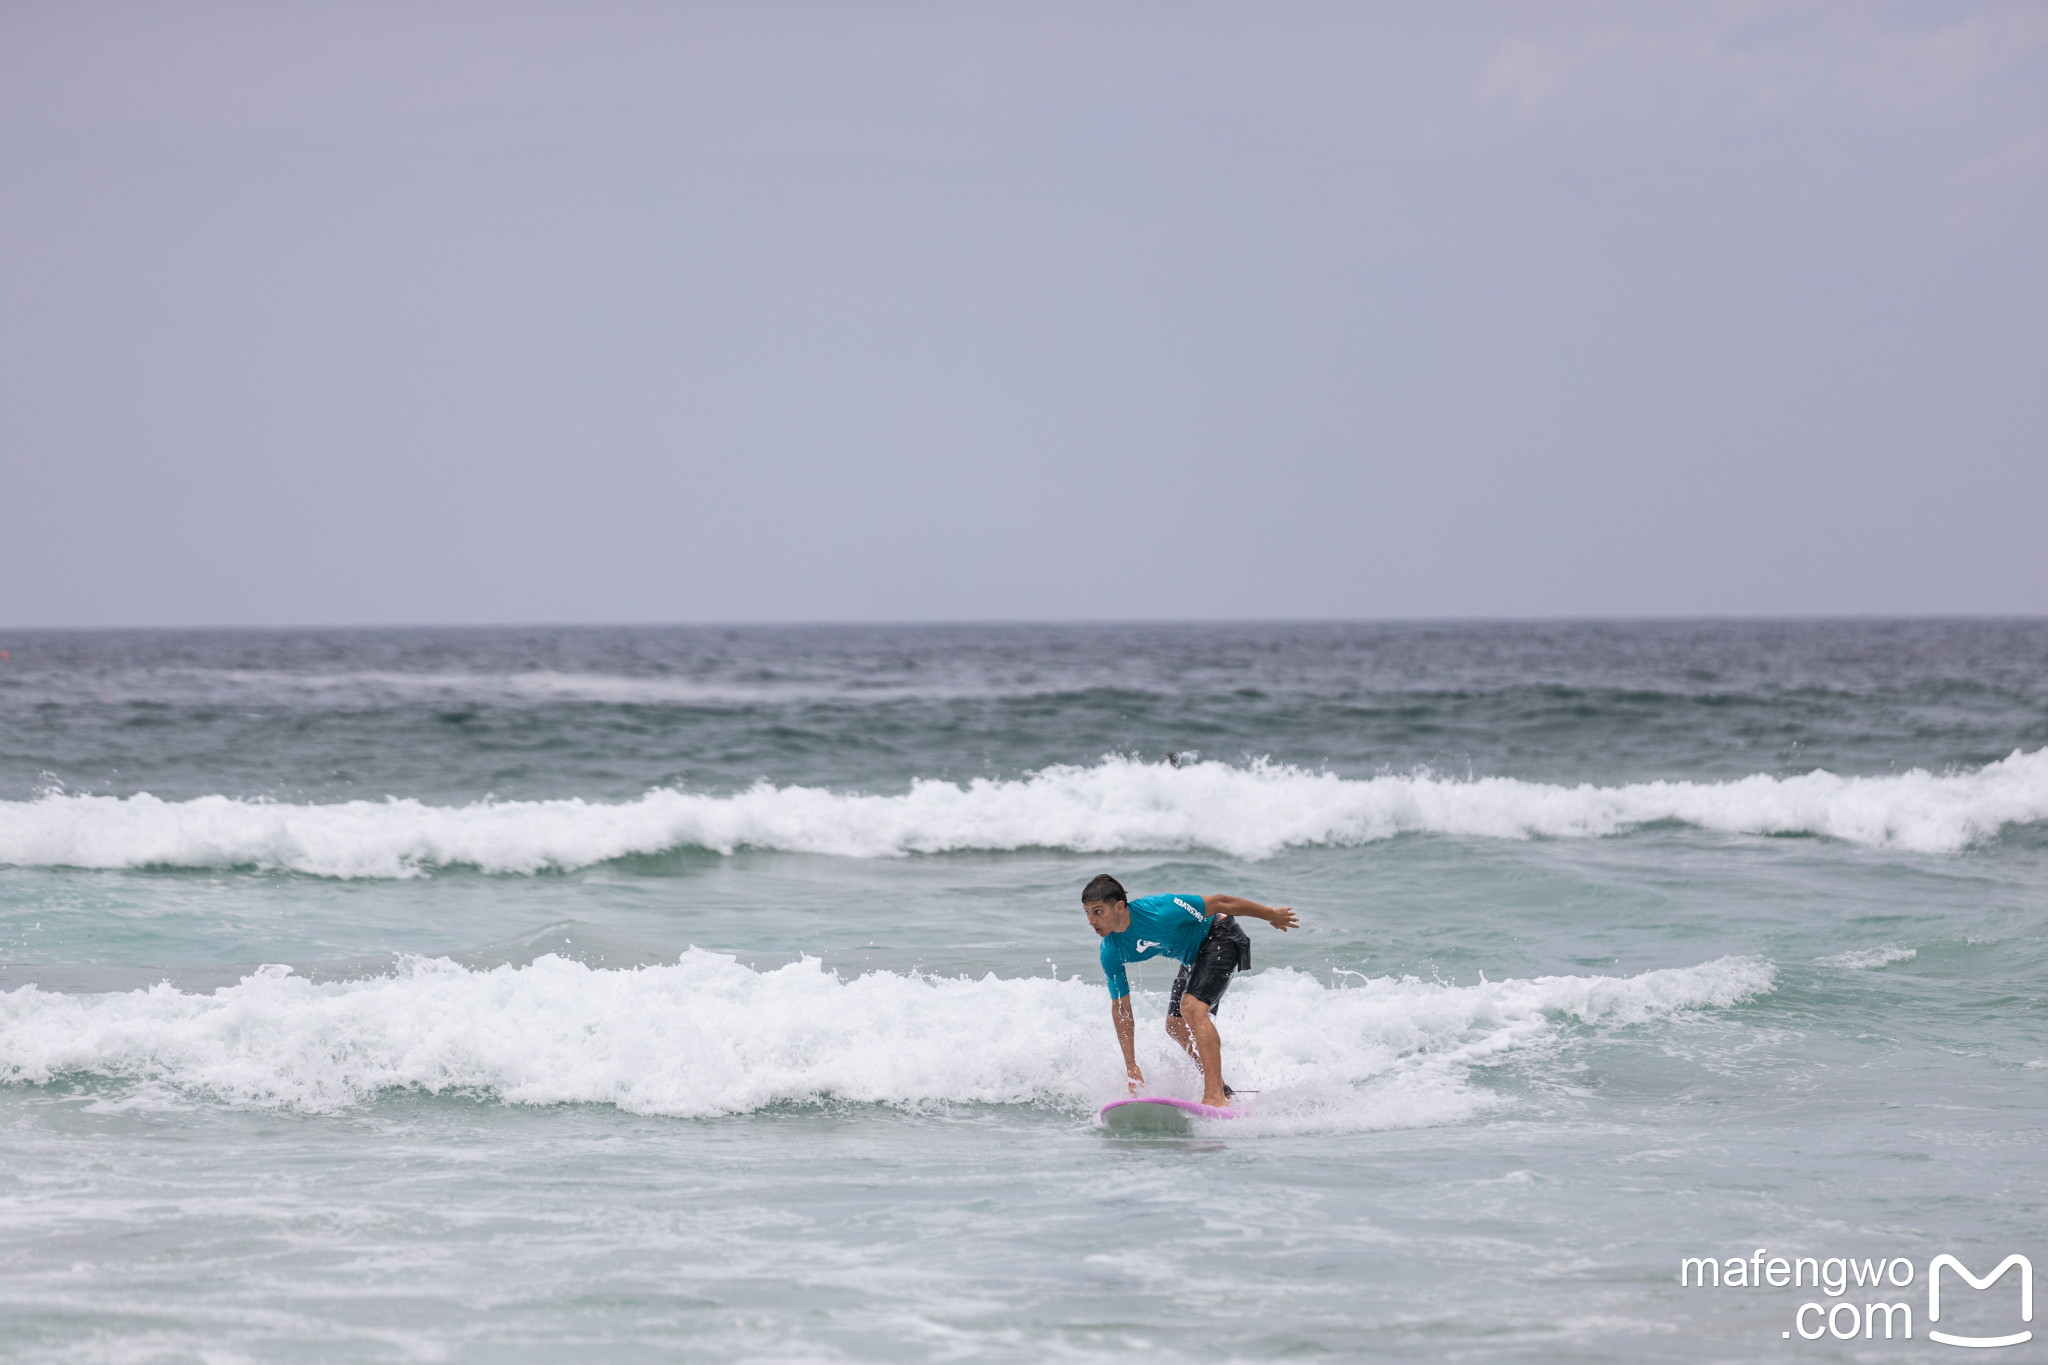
(1201, 933)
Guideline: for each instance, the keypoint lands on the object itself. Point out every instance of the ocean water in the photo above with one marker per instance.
(713, 994)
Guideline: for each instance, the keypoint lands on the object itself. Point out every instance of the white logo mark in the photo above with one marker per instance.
(1145, 943)
(2026, 1297)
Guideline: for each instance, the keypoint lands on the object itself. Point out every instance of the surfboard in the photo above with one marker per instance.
(1154, 1114)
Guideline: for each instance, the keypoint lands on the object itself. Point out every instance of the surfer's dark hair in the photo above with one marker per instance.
(1104, 888)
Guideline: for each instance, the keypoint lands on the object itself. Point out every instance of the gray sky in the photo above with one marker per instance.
(446, 312)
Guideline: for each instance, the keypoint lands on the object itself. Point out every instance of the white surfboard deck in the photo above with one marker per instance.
(1155, 1114)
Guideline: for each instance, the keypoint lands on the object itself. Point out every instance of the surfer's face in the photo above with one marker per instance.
(1107, 917)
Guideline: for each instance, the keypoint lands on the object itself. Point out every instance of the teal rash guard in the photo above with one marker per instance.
(1170, 926)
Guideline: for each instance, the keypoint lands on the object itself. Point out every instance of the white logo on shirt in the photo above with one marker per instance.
(1189, 908)
(1145, 943)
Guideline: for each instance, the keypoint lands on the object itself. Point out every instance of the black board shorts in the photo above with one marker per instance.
(1225, 950)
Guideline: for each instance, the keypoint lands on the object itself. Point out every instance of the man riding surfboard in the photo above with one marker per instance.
(1201, 933)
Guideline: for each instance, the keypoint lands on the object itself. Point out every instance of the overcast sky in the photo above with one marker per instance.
(447, 312)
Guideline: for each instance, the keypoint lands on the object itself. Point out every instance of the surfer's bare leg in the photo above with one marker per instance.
(1208, 1049)
(1177, 1029)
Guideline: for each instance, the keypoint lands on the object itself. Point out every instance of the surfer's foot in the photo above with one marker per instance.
(1228, 1092)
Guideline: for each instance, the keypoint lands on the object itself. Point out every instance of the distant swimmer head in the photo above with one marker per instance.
(1107, 907)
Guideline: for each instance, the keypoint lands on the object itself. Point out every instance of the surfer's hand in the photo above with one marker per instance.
(1137, 1080)
(1282, 918)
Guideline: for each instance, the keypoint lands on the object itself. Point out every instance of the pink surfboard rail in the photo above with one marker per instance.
(1189, 1108)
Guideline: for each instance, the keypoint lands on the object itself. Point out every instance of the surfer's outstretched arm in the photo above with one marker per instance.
(1281, 917)
(1127, 1036)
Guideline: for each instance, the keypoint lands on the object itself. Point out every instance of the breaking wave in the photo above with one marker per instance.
(707, 1036)
(1118, 805)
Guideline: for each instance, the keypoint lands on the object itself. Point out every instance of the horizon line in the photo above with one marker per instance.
(816, 623)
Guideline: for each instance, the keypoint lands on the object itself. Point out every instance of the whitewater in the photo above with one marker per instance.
(1618, 943)
(708, 1036)
(1118, 805)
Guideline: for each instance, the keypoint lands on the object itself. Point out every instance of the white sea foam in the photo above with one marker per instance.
(708, 1036)
(1869, 959)
(529, 685)
(1118, 805)
(550, 685)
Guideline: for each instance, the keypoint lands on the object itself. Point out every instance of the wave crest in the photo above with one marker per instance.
(708, 1036)
(1118, 805)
